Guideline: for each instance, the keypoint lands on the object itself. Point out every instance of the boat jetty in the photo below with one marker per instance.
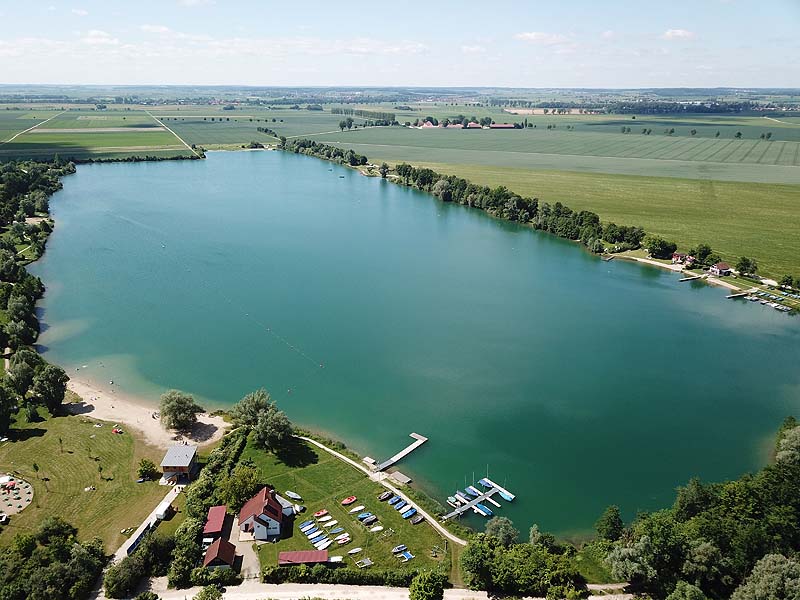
(472, 499)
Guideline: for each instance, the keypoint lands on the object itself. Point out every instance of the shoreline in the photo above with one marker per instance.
(134, 413)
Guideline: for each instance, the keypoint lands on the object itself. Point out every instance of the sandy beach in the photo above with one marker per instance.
(117, 408)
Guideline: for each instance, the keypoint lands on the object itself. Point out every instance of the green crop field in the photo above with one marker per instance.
(70, 452)
(752, 219)
(14, 121)
(323, 482)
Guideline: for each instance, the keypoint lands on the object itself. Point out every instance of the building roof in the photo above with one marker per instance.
(263, 503)
(220, 550)
(179, 455)
(723, 266)
(501, 126)
(215, 519)
(302, 557)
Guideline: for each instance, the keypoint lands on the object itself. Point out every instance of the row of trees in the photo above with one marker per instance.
(366, 114)
(723, 540)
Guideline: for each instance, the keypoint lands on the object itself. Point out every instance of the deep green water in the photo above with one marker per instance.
(580, 383)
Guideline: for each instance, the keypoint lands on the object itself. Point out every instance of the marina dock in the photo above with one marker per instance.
(508, 495)
(739, 295)
(691, 278)
(471, 505)
(418, 441)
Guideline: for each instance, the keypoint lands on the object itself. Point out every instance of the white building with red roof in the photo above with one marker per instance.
(264, 514)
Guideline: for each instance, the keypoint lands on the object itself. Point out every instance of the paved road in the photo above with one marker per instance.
(381, 478)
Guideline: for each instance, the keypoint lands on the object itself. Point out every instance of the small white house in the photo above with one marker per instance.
(264, 514)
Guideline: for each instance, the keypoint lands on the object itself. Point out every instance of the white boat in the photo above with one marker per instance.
(293, 495)
(354, 551)
(358, 508)
(323, 544)
(344, 541)
(331, 523)
(308, 527)
(377, 528)
(325, 518)
(341, 537)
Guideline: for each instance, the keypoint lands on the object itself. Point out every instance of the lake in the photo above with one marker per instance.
(369, 311)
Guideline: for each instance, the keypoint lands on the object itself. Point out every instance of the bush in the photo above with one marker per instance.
(428, 585)
(205, 576)
(187, 553)
(345, 576)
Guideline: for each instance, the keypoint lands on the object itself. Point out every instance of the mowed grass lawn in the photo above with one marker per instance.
(323, 482)
(69, 451)
(752, 219)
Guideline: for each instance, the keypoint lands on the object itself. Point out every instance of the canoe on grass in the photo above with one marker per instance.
(356, 509)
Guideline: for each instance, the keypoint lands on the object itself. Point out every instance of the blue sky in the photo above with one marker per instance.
(579, 43)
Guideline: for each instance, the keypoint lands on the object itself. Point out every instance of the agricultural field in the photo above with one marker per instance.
(89, 134)
(14, 121)
(323, 481)
(73, 454)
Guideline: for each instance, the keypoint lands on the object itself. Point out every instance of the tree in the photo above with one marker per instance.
(6, 409)
(540, 538)
(245, 413)
(147, 469)
(349, 122)
(147, 596)
(178, 410)
(659, 247)
(789, 447)
(774, 577)
(502, 530)
(384, 170)
(609, 526)
(210, 592)
(427, 585)
(50, 386)
(272, 430)
(404, 170)
(342, 124)
(686, 591)
(701, 253)
(738, 135)
(786, 281)
(746, 266)
(20, 376)
(240, 486)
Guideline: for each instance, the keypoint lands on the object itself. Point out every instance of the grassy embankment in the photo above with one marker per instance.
(323, 481)
(73, 454)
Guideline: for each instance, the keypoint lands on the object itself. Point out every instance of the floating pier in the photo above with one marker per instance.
(691, 278)
(503, 491)
(739, 295)
(471, 504)
(418, 441)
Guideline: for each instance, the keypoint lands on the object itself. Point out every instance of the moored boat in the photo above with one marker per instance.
(355, 551)
(311, 532)
(399, 549)
(321, 513)
(417, 519)
(394, 500)
(474, 491)
(305, 523)
(348, 501)
(341, 537)
(484, 508)
(323, 545)
(356, 509)
(377, 528)
(318, 539)
(293, 495)
(409, 513)
(336, 530)
(330, 523)
(385, 496)
(400, 505)
(364, 515)
(369, 520)
(325, 518)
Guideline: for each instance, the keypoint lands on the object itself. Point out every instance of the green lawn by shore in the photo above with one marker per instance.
(70, 452)
(323, 481)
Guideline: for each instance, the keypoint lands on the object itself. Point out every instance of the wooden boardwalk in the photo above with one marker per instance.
(418, 441)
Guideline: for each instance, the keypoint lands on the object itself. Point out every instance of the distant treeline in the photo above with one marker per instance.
(367, 114)
(268, 131)
(500, 202)
(643, 107)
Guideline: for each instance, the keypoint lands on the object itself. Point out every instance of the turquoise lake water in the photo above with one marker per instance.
(370, 311)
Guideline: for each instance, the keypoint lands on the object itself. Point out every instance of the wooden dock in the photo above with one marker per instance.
(739, 295)
(691, 278)
(418, 441)
(471, 504)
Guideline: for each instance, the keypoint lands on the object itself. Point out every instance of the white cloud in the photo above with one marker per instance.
(473, 49)
(608, 35)
(96, 37)
(677, 34)
(155, 29)
(80, 12)
(543, 38)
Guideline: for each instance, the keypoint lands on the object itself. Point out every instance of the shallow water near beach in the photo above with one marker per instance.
(370, 311)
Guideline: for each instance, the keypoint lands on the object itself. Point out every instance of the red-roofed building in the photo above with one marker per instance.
(720, 269)
(263, 515)
(215, 521)
(302, 557)
(220, 555)
(502, 126)
(474, 125)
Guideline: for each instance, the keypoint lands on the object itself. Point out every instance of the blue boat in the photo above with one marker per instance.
(304, 523)
(409, 513)
(394, 500)
(506, 496)
(312, 532)
(406, 556)
(336, 530)
(318, 538)
(484, 509)
(485, 483)
(471, 491)
(400, 505)
(364, 515)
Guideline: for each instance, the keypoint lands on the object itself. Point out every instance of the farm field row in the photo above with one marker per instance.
(757, 220)
(14, 121)
(575, 143)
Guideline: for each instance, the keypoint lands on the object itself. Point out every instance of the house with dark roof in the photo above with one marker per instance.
(220, 555)
(179, 461)
(215, 521)
(265, 514)
(720, 269)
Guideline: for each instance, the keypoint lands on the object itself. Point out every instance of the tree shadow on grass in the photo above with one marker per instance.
(20, 435)
(296, 453)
